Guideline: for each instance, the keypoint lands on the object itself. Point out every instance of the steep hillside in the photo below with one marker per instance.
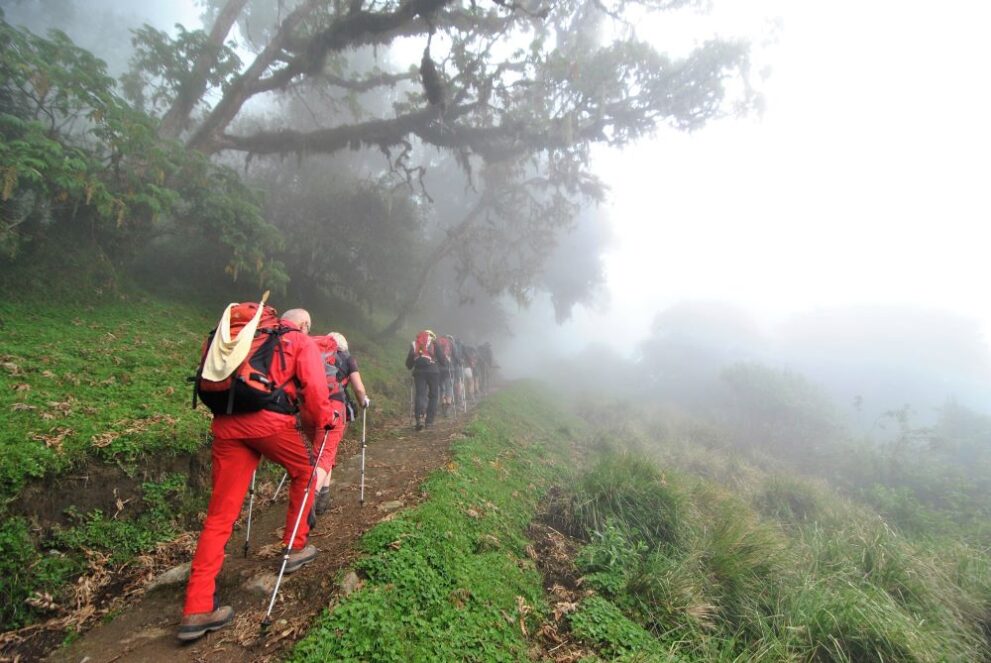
(540, 534)
(103, 457)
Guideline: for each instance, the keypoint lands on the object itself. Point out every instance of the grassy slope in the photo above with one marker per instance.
(450, 580)
(690, 552)
(102, 387)
(743, 565)
(690, 555)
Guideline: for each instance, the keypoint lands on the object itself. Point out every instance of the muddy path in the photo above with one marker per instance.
(397, 462)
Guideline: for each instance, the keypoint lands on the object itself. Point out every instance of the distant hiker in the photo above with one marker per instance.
(445, 348)
(471, 371)
(424, 361)
(456, 370)
(254, 372)
(469, 375)
(487, 364)
(341, 371)
(462, 366)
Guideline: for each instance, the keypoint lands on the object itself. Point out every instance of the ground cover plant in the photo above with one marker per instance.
(95, 390)
(451, 579)
(778, 569)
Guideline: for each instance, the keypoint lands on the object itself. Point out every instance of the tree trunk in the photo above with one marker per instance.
(176, 118)
(443, 250)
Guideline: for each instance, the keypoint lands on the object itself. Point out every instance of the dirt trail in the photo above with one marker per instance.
(397, 462)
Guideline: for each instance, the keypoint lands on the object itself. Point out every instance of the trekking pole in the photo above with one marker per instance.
(454, 396)
(412, 403)
(267, 620)
(251, 504)
(285, 475)
(364, 417)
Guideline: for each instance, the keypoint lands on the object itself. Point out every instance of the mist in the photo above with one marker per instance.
(714, 247)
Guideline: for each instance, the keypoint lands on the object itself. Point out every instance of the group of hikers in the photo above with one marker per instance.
(447, 372)
(278, 392)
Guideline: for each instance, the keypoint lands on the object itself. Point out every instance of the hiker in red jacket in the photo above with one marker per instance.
(240, 439)
(341, 370)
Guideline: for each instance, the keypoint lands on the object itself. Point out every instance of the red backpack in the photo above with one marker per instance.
(250, 387)
(337, 380)
(446, 348)
(423, 346)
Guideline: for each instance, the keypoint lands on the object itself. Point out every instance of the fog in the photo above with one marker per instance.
(837, 230)
(845, 224)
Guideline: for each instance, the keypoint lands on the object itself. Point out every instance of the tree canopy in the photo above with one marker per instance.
(486, 112)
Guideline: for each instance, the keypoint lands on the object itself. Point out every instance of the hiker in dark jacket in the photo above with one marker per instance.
(445, 348)
(425, 362)
(486, 363)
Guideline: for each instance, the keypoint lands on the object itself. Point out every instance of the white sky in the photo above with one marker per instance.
(866, 180)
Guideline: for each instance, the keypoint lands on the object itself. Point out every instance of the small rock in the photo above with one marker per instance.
(390, 506)
(173, 576)
(350, 583)
(262, 584)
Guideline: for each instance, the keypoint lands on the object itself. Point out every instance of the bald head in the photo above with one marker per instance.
(299, 317)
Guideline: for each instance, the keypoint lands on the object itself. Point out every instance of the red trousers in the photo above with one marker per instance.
(233, 462)
(329, 458)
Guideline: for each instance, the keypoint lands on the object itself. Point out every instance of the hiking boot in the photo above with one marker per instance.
(322, 504)
(195, 626)
(419, 426)
(300, 558)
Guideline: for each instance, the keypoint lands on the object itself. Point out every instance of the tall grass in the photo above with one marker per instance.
(783, 570)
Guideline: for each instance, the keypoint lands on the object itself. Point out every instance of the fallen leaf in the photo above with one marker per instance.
(564, 608)
(42, 601)
(22, 407)
(22, 386)
(53, 440)
(523, 610)
(103, 439)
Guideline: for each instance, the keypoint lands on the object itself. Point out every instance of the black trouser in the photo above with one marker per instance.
(427, 389)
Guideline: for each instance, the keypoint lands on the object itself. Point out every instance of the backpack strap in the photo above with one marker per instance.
(199, 369)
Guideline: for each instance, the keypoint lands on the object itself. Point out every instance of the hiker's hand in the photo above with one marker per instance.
(365, 402)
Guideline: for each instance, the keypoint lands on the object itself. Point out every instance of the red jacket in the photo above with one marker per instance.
(309, 389)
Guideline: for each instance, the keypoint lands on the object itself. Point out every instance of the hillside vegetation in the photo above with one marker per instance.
(103, 456)
(677, 552)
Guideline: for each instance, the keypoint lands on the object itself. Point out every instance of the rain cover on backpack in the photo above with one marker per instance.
(248, 385)
(423, 346)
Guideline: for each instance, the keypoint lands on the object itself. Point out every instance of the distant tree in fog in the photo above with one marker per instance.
(690, 343)
(574, 271)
